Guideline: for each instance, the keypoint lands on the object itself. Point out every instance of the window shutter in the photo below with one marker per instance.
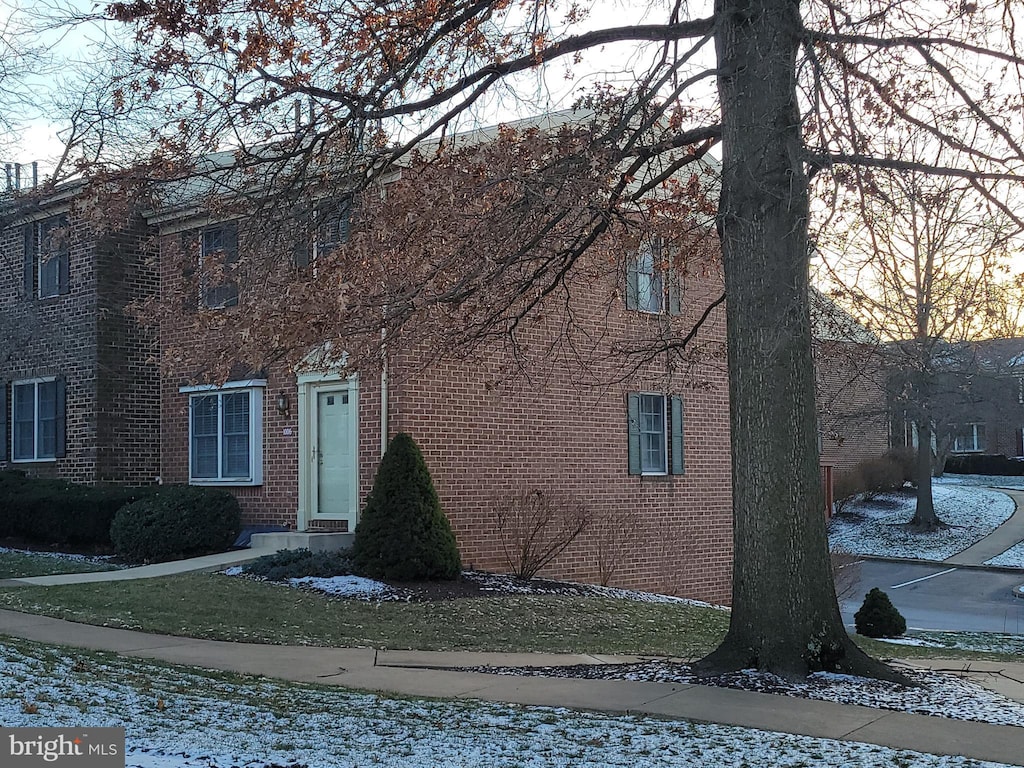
(633, 413)
(674, 292)
(633, 284)
(678, 463)
(230, 242)
(64, 256)
(345, 221)
(4, 442)
(61, 421)
(302, 248)
(30, 261)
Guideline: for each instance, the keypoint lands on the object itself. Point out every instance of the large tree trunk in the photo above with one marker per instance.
(785, 617)
(924, 518)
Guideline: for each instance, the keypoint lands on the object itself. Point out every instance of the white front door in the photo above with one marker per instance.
(328, 449)
(335, 470)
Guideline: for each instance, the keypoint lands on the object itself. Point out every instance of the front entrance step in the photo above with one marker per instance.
(315, 542)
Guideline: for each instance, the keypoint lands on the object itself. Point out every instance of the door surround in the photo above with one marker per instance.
(309, 385)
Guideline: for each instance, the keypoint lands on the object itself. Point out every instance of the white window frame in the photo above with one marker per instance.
(255, 388)
(35, 458)
(978, 446)
(649, 272)
(644, 470)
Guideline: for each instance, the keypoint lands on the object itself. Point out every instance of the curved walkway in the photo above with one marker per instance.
(1007, 535)
(417, 673)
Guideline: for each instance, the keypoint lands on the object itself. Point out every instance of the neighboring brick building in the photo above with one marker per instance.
(78, 391)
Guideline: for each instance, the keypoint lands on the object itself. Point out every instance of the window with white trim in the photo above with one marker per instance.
(655, 434)
(651, 286)
(970, 438)
(37, 419)
(225, 436)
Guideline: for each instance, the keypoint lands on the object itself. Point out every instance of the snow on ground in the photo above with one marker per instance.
(1012, 558)
(938, 694)
(876, 527)
(178, 718)
(344, 586)
(102, 559)
(992, 642)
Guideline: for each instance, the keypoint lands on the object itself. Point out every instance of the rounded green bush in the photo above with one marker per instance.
(177, 521)
(403, 535)
(878, 617)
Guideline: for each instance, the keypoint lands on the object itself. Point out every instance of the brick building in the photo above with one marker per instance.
(647, 456)
(78, 391)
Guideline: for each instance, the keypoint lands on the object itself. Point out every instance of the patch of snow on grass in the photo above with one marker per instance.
(916, 641)
(344, 586)
(877, 527)
(179, 718)
(99, 559)
(937, 694)
(1011, 558)
(508, 584)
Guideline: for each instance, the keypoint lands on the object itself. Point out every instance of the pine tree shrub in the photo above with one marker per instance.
(178, 521)
(403, 535)
(878, 617)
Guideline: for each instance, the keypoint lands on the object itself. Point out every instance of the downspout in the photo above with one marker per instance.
(383, 392)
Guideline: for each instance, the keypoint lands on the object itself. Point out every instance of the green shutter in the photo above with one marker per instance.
(633, 413)
(61, 419)
(3, 421)
(678, 464)
(64, 255)
(674, 292)
(632, 284)
(29, 261)
(302, 248)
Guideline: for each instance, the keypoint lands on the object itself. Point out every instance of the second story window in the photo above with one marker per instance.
(218, 257)
(651, 286)
(47, 258)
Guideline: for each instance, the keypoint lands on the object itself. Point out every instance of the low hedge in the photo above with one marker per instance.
(298, 563)
(176, 521)
(984, 464)
(59, 512)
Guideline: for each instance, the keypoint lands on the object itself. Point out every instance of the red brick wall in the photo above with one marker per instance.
(853, 417)
(561, 426)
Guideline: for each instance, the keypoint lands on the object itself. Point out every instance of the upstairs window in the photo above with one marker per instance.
(650, 285)
(47, 257)
(218, 257)
(322, 230)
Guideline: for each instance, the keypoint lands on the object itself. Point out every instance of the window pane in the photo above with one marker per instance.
(236, 434)
(652, 433)
(46, 440)
(204, 436)
(49, 275)
(24, 421)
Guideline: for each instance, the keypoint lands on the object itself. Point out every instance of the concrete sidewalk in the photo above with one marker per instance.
(1001, 539)
(417, 673)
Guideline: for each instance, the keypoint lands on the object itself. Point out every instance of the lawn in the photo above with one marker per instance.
(16, 563)
(217, 607)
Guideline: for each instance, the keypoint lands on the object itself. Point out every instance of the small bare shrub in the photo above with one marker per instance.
(906, 459)
(616, 535)
(881, 475)
(847, 486)
(535, 527)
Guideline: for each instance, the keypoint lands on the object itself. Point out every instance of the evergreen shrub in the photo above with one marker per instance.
(297, 563)
(177, 521)
(878, 617)
(403, 535)
(48, 511)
